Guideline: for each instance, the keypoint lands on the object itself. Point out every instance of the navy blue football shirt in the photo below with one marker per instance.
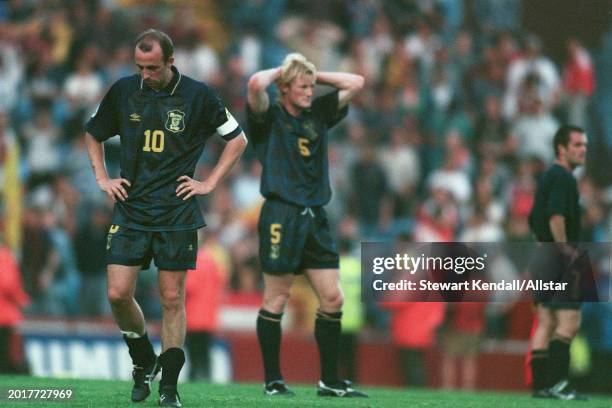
(163, 134)
(293, 150)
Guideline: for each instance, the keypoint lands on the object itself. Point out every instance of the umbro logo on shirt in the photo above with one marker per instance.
(134, 117)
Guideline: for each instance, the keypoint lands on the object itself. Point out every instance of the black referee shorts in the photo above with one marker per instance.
(170, 250)
(551, 264)
(294, 238)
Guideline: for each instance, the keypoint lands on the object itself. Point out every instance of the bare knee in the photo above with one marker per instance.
(331, 301)
(546, 326)
(275, 302)
(171, 299)
(119, 297)
(546, 322)
(568, 325)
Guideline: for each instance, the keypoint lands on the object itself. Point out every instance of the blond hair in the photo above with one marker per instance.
(294, 65)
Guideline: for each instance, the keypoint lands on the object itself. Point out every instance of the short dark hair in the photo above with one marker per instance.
(143, 42)
(562, 136)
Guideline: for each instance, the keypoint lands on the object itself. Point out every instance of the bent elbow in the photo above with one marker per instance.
(254, 84)
(359, 82)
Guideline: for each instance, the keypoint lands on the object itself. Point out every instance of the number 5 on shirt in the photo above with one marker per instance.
(303, 144)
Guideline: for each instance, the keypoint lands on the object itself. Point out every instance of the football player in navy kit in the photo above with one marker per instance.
(163, 119)
(290, 140)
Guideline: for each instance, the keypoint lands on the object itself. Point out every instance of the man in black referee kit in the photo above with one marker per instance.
(290, 140)
(164, 120)
(555, 217)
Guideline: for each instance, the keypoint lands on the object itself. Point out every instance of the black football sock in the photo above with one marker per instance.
(327, 334)
(172, 361)
(5, 350)
(269, 336)
(539, 366)
(141, 349)
(559, 352)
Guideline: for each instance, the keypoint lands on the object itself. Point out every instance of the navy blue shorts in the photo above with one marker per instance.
(294, 238)
(170, 250)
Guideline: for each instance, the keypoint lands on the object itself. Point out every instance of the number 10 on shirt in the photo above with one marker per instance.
(154, 141)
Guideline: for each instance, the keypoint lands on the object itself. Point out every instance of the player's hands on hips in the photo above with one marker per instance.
(114, 188)
(189, 187)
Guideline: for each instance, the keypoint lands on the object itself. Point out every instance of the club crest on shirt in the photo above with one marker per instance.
(309, 130)
(175, 121)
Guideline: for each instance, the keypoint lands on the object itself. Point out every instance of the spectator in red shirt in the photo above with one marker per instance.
(578, 82)
(204, 290)
(12, 299)
(413, 329)
(461, 343)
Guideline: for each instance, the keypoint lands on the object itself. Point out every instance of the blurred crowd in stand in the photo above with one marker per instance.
(444, 143)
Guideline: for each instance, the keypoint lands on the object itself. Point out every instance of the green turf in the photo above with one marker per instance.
(91, 393)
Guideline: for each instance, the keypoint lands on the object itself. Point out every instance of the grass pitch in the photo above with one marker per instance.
(98, 393)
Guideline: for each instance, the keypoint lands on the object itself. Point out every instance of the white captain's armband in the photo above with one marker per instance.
(229, 126)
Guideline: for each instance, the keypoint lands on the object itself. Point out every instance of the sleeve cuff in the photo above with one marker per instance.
(96, 134)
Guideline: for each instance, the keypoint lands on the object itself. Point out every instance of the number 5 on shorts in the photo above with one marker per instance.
(275, 233)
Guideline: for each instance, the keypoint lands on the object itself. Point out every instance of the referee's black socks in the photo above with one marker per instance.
(327, 334)
(172, 361)
(539, 369)
(140, 347)
(269, 336)
(559, 351)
